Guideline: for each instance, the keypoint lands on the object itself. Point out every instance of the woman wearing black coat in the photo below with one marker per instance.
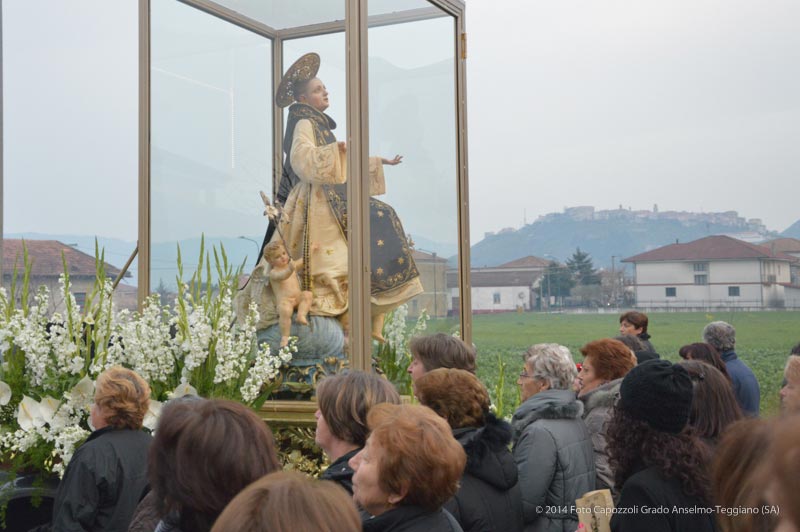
(657, 458)
(108, 473)
(488, 498)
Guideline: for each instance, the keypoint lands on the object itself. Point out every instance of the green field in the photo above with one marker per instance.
(763, 341)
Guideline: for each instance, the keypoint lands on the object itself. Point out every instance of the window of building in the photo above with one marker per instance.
(80, 298)
(733, 291)
(671, 291)
(701, 266)
(701, 279)
(496, 298)
(771, 278)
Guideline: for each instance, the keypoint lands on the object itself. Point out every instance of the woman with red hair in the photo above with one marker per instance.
(408, 469)
(605, 363)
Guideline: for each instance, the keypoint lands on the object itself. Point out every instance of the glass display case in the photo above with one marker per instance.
(333, 131)
(314, 152)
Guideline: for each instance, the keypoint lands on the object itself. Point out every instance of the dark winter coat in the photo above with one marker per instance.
(103, 482)
(489, 497)
(555, 459)
(745, 384)
(341, 472)
(644, 356)
(657, 504)
(645, 339)
(597, 409)
(412, 519)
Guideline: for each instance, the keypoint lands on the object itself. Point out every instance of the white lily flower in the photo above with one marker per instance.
(29, 416)
(5, 393)
(83, 392)
(183, 388)
(152, 415)
(48, 407)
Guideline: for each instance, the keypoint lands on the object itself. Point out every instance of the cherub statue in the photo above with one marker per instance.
(286, 288)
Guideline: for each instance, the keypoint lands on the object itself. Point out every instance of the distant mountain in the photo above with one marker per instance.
(604, 234)
(793, 231)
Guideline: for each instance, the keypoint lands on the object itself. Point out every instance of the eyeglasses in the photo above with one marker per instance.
(524, 375)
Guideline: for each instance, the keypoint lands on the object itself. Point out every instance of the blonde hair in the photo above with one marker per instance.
(124, 396)
(288, 501)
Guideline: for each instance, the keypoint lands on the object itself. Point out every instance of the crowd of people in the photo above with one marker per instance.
(679, 447)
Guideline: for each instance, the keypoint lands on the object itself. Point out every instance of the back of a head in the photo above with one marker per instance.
(552, 362)
(611, 359)
(779, 475)
(739, 455)
(633, 342)
(288, 501)
(455, 394)
(346, 398)
(704, 352)
(442, 350)
(420, 455)
(714, 405)
(721, 335)
(124, 396)
(203, 454)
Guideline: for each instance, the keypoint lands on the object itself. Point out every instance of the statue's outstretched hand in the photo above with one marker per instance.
(392, 162)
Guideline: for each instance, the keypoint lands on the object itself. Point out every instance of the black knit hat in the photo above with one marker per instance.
(658, 393)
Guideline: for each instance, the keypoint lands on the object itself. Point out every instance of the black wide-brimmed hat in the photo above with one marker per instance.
(303, 69)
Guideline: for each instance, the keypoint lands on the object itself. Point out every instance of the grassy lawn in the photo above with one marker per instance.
(763, 341)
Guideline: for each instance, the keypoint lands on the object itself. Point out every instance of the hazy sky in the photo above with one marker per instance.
(690, 104)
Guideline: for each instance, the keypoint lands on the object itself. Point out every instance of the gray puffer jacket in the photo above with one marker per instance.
(597, 409)
(554, 456)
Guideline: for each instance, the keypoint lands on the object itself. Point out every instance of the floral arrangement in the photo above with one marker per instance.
(393, 356)
(50, 361)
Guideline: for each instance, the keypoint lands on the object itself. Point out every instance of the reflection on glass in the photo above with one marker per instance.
(412, 113)
(69, 154)
(211, 139)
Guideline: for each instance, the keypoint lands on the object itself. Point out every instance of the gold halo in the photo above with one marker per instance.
(303, 69)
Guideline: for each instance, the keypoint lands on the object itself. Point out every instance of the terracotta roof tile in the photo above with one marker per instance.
(709, 248)
(45, 256)
(783, 245)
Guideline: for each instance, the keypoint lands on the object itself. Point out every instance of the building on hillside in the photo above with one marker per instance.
(503, 288)
(787, 246)
(433, 275)
(714, 272)
(47, 266)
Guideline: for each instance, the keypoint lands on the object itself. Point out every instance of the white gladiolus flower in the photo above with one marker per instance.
(29, 416)
(5, 393)
(152, 415)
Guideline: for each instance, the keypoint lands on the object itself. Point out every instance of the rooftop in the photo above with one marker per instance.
(710, 248)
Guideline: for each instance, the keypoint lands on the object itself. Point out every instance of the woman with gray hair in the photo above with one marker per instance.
(552, 447)
(722, 336)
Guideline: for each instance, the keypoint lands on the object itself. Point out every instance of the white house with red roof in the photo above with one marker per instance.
(714, 272)
(503, 288)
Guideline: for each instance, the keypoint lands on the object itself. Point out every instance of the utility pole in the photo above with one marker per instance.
(613, 281)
